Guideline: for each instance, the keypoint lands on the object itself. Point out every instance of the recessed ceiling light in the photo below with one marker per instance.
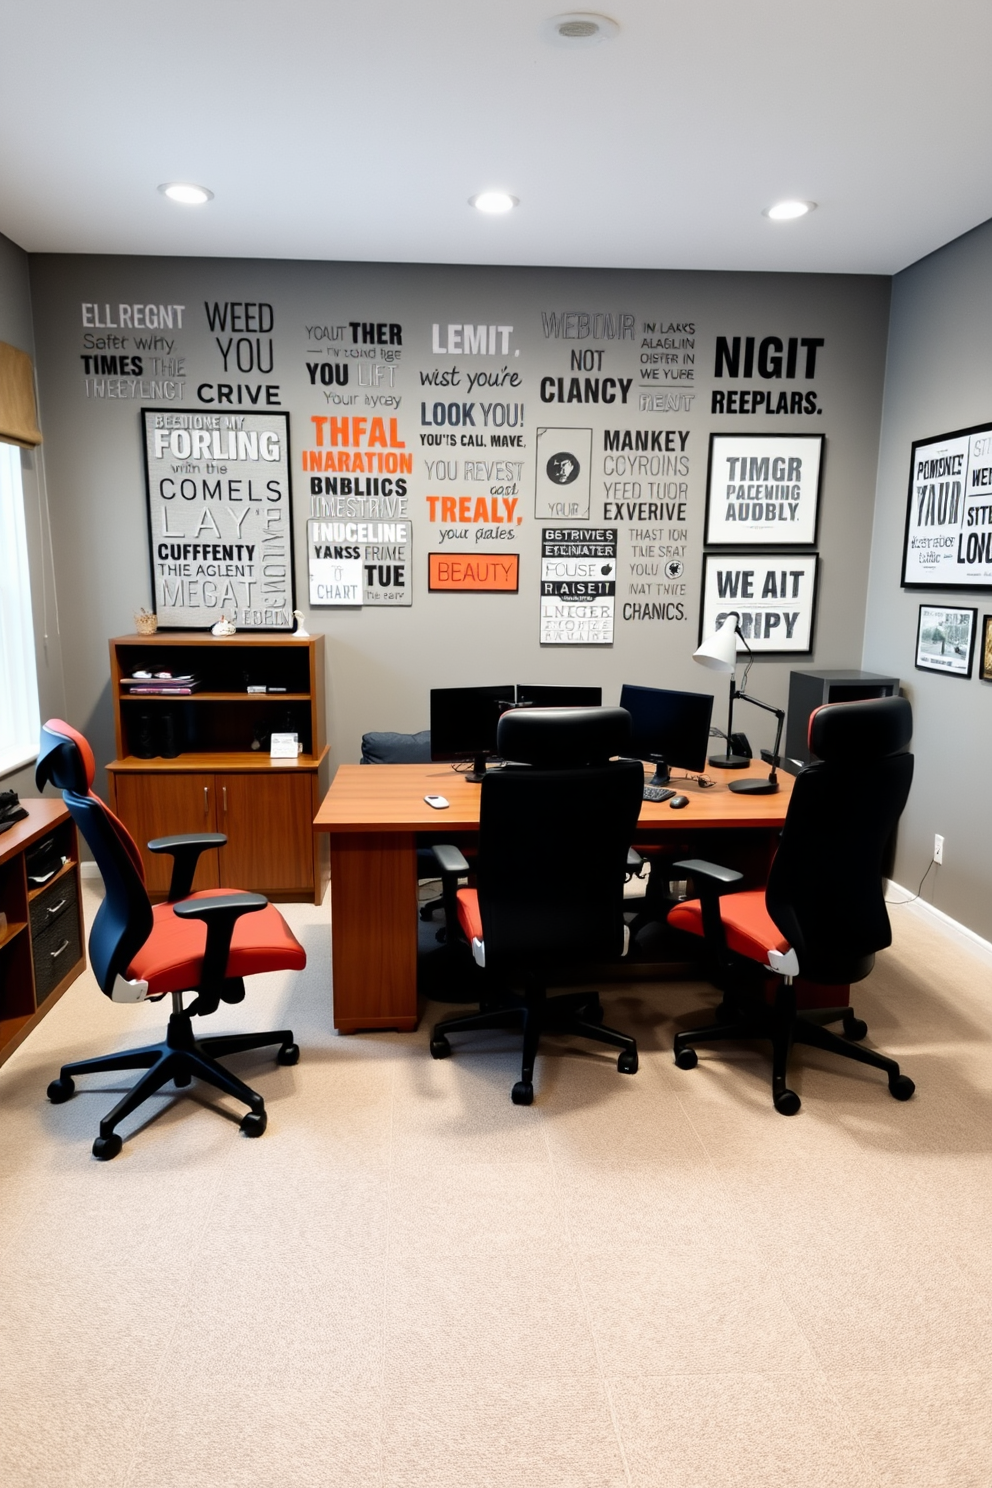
(580, 28)
(494, 202)
(186, 192)
(787, 211)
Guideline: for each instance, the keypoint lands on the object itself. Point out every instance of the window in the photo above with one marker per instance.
(19, 716)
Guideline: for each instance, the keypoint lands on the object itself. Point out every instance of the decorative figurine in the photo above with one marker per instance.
(300, 632)
(223, 627)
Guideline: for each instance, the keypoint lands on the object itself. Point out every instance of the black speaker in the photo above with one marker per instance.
(170, 734)
(142, 736)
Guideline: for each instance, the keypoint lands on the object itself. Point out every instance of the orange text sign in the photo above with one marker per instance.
(474, 573)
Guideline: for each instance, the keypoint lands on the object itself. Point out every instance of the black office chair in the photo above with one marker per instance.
(822, 915)
(554, 834)
(204, 943)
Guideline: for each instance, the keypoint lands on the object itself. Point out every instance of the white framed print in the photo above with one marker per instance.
(945, 640)
(948, 540)
(763, 489)
(773, 595)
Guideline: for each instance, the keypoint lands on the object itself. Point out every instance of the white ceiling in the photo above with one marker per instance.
(334, 130)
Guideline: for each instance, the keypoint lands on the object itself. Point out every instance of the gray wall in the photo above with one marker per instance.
(938, 378)
(381, 663)
(16, 330)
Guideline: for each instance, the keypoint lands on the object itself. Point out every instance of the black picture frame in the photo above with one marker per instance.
(732, 603)
(942, 581)
(762, 539)
(985, 661)
(284, 466)
(963, 667)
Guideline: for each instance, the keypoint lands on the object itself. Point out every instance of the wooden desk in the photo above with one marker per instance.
(41, 948)
(373, 814)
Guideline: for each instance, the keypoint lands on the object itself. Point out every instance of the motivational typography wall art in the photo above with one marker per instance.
(220, 521)
(578, 585)
(763, 489)
(948, 542)
(774, 594)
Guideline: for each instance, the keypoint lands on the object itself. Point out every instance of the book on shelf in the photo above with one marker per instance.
(162, 689)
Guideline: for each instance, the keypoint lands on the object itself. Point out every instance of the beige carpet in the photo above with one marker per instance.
(409, 1282)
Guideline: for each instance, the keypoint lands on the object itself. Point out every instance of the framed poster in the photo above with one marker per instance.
(763, 489)
(773, 593)
(945, 640)
(220, 518)
(985, 662)
(948, 541)
(360, 563)
(473, 573)
(562, 477)
(578, 585)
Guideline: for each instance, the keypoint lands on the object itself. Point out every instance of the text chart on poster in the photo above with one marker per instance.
(578, 585)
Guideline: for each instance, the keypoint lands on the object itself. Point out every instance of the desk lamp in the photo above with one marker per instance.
(719, 653)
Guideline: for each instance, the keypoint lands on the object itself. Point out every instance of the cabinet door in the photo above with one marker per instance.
(160, 804)
(268, 819)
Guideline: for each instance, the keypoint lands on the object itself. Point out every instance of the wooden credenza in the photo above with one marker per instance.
(41, 946)
(217, 782)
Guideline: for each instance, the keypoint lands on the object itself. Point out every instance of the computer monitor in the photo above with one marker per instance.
(668, 728)
(463, 723)
(559, 697)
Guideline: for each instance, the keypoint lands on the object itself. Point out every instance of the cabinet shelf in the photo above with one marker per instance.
(65, 871)
(218, 782)
(13, 928)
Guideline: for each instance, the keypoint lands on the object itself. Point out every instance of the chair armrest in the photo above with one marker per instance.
(450, 860)
(219, 913)
(711, 881)
(185, 849)
(710, 876)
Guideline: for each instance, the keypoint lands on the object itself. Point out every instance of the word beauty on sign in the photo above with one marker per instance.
(763, 488)
(578, 585)
(473, 573)
(360, 563)
(772, 594)
(220, 521)
(948, 542)
(564, 468)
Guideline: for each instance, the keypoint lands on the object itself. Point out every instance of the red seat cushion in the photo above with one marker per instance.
(749, 928)
(171, 959)
(469, 916)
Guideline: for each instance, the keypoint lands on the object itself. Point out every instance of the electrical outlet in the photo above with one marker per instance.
(938, 848)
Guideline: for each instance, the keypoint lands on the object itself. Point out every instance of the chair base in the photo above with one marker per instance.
(783, 1026)
(179, 1058)
(535, 1013)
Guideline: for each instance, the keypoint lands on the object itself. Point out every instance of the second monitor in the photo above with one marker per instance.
(670, 729)
(464, 719)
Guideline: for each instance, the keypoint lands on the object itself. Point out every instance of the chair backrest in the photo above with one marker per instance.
(553, 841)
(397, 749)
(825, 889)
(124, 920)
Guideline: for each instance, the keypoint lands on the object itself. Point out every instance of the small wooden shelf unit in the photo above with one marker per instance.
(41, 949)
(217, 782)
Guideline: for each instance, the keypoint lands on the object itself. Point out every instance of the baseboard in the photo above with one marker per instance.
(921, 909)
(88, 869)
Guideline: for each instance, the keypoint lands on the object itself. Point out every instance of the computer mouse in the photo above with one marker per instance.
(677, 802)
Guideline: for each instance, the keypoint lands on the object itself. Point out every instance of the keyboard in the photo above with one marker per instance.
(657, 793)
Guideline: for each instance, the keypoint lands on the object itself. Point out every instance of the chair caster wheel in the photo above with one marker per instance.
(62, 1089)
(855, 1028)
(686, 1058)
(107, 1147)
(787, 1102)
(254, 1124)
(440, 1048)
(522, 1093)
(288, 1054)
(183, 1079)
(901, 1087)
(627, 1062)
